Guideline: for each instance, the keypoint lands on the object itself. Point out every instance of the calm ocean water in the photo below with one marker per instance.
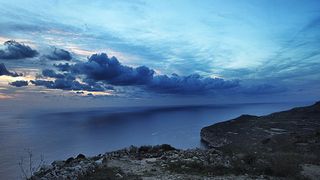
(59, 135)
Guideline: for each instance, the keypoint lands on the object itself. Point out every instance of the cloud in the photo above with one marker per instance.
(100, 71)
(19, 83)
(59, 54)
(68, 84)
(4, 71)
(193, 84)
(51, 73)
(63, 67)
(262, 89)
(101, 68)
(15, 50)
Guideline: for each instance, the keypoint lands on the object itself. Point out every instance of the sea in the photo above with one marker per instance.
(60, 134)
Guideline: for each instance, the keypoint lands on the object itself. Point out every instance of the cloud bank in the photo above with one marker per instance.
(4, 71)
(102, 73)
(59, 54)
(100, 69)
(15, 50)
(19, 83)
(69, 84)
(192, 84)
(51, 73)
(63, 67)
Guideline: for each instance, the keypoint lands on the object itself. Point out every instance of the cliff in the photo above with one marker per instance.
(296, 130)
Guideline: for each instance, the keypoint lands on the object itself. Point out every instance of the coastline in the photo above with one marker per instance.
(275, 154)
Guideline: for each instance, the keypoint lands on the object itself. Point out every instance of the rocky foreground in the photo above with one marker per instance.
(284, 145)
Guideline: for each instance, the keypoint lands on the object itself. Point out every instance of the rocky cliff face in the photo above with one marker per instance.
(296, 130)
(146, 162)
(282, 144)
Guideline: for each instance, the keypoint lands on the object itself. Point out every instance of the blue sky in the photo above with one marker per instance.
(269, 47)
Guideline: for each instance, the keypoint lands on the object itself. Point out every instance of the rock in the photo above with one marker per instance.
(277, 131)
(104, 160)
(265, 141)
(46, 167)
(69, 160)
(58, 163)
(99, 161)
(118, 175)
(311, 171)
(81, 156)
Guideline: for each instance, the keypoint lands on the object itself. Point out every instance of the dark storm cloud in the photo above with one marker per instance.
(4, 71)
(15, 50)
(63, 67)
(193, 84)
(100, 71)
(67, 84)
(102, 68)
(109, 70)
(59, 54)
(19, 83)
(51, 73)
(48, 84)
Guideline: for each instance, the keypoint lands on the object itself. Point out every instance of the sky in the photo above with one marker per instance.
(155, 52)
